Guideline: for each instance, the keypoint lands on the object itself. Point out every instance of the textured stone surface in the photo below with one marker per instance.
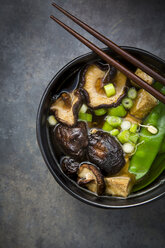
(34, 210)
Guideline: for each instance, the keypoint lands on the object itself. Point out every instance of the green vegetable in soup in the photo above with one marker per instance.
(161, 88)
(118, 111)
(133, 128)
(114, 121)
(156, 169)
(128, 148)
(100, 112)
(85, 117)
(134, 137)
(109, 90)
(83, 108)
(162, 147)
(124, 136)
(52, 121)
(158, 86)
(127, 103)
(114, 132)
(106, 127)
(148, 149)
(132, 93)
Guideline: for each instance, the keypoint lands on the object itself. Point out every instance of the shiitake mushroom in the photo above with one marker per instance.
(90, 177)
(106, 152)
(72, 140)
(66, 107)
(69, 166)
(93, 79)
(112, 72)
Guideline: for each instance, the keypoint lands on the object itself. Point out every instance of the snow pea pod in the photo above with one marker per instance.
(161, 88)
(146, 152)
(158, 166)
(162, 147)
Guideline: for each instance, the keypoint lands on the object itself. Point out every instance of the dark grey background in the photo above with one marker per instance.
(34, 210)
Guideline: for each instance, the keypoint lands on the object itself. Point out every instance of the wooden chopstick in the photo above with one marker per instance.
(113, 46)
(113, 62)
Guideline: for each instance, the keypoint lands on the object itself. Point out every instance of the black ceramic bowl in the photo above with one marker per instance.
(60, 81)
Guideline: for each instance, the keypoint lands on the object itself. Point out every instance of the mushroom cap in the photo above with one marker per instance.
(72, 140)
(69, 166)
(90, 176)
(92, 87)
(106, 152)
(66, 107)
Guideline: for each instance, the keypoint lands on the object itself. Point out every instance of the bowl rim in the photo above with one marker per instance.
(42, 150)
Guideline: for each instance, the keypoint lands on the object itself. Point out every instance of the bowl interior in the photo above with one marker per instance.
(62, 81)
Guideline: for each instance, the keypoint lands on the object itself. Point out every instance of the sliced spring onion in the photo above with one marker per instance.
(127, 103)
(123, 136)
(83, 108)
(132, 93)
(134, 137)
(100, 112)
(118, 111)
(106, 127)
(109, 90)
(52, 121)
(114, 121)
(128, 148)
(125, 125)
(114, 132)
(85, 117)
(133, 128)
